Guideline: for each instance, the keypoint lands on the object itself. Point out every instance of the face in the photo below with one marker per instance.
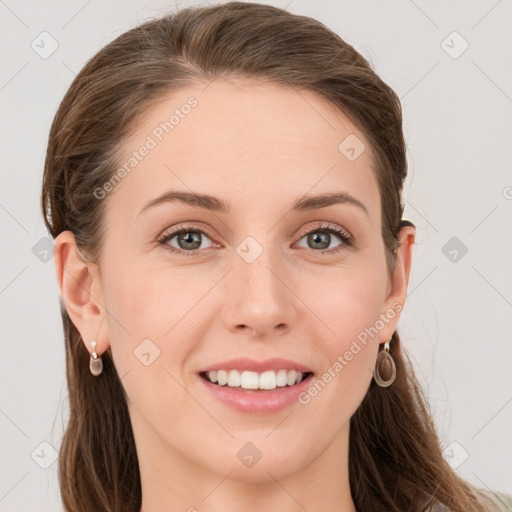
(262, 278)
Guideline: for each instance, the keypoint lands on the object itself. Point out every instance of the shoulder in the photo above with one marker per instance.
(493, 501)
(498, 501)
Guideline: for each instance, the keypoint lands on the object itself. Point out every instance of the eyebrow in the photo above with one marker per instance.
(208, 202)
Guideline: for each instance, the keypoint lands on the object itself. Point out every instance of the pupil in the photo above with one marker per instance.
(317, 238)
(188, 238)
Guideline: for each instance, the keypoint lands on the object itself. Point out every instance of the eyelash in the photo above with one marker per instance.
(323, 228)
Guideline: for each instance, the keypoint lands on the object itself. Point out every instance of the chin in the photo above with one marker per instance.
(256, 461)
(262, 472)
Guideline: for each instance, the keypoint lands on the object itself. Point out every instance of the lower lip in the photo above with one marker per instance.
(257, 401)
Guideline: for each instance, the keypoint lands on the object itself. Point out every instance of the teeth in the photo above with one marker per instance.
(253, 380)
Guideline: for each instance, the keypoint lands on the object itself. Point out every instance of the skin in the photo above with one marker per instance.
(258, 147)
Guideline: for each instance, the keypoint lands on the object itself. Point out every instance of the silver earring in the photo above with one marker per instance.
(95, 363)
(385, 367)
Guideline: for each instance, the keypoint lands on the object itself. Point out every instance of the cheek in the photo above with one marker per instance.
(349, 308)
(347, 303)
(145, 324)
(152, 312)
(145, 300)
(136, 320)
(340, 386)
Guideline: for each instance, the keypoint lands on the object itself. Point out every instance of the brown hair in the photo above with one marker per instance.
(395, 457)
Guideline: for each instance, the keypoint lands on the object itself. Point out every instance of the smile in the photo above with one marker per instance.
(267, 380)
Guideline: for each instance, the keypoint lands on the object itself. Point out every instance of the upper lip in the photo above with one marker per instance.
(241, 364)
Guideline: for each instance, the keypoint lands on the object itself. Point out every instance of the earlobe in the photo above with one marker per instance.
(80, 286)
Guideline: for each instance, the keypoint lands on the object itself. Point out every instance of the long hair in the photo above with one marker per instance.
(395, 457)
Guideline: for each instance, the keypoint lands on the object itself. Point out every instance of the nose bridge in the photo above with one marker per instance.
(260, 299)
(256, 266)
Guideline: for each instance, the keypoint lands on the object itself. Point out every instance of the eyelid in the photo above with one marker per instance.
(170, 233)
(323, 225)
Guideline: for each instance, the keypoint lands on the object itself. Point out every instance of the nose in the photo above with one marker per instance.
(259, 296)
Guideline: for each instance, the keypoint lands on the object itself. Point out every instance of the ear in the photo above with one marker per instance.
(397, 289)
(80, 285)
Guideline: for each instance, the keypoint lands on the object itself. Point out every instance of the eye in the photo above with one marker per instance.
(188, 239)
(319, 237)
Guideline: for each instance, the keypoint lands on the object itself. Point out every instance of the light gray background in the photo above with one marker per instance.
(457, 119)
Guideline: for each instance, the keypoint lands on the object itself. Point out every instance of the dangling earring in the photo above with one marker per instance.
(385, 367)
(95, 363)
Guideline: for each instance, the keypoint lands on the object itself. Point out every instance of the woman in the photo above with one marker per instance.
(224, 189)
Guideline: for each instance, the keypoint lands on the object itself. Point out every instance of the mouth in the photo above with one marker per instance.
(249, 381)
(250, 392)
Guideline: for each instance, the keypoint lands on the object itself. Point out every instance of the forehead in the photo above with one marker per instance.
(248, 142)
